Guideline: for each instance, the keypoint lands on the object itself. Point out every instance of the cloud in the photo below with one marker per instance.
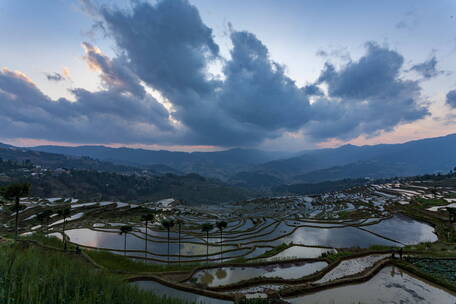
(365, 97)
(167, 44)
(409, 21)
(451, 98)
(165, 47)
(66, 73)
(115, 74)
(100, 117)
(170, 48)
(55, 76)
(427, 69)
(312, 90)
(257, 91)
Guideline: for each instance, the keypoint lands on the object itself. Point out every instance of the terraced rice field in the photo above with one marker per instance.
(390, 285)
(273, 244)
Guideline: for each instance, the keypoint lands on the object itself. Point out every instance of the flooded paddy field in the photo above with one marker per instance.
(230, 275)
(390, 285)
(163, 290)
(274, 244)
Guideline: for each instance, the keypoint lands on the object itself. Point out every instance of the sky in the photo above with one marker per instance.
(204, 75)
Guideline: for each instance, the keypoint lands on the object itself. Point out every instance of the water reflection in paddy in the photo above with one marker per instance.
(229, 275)
(404, 230)
(390, 285)
(336, 237)
(163, 290)
(113, 240)
(299, 252)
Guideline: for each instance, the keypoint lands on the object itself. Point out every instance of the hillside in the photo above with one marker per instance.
(411, 158)
(256, 168)
(221, 164)
(371, 169)
(56, 175)
(54, 161)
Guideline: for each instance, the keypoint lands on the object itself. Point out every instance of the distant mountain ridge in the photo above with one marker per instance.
(257, 168)
(378, 161)
(221, 164)
(54, 160)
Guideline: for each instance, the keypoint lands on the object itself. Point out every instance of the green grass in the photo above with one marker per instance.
(50, 241)
(381, 247)
(451, 195)
(424, 273)
(274, 251)
(438, 267)
(118, 262)
(426, 203)
(334, 256)
(32, 275)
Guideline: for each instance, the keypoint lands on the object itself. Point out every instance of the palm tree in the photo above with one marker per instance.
(125, 230)
(206, 227)
(44, 216)
(179, 223)
(16, 191)
(149, 217)
(168, 224)
(64, 213)
(221, 225)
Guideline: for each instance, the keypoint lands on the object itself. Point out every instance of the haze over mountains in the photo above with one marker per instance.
(256, 168)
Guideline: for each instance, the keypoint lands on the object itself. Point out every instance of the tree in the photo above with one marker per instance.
(64, 213)
(16, 191)
(149, 217)
(179, 226)
(221, 225)
(44, 216)
(207, 227)
(168, 224)
(125, 230)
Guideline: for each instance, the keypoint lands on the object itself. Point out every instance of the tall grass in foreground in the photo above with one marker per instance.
(36, 276)
(118, 262)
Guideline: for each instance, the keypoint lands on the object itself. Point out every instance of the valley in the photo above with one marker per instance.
(294, 249)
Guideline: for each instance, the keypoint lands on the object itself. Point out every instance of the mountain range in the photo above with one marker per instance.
(257, 168)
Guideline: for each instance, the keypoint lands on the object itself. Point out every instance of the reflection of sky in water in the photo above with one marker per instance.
(388, 286)
(351, 267)
(335, 237)
(405, 230)
(113, 240)
(400, 228)
(229, 275)
(299, 252)
(163, 290)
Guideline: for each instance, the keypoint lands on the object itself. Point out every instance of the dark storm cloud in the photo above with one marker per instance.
(451, 98)
(255, 100)
(312, 90)
(167, 47)
(256, 89)
(427, 69)
(54, 76)
(115, 74)
(103, 116)
(374, 74)
(366, 96)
